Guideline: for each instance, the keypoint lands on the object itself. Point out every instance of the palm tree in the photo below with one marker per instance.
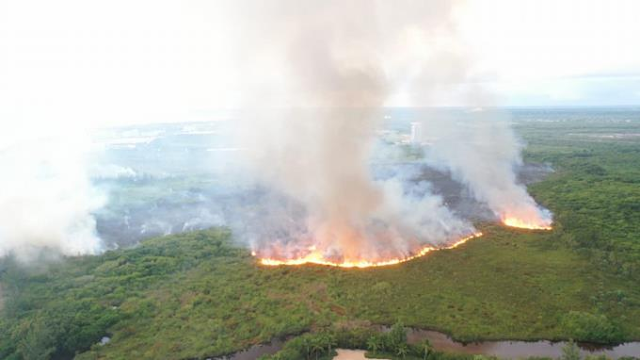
(317, 346)
(402, 350)
(570, 351)
(306, 344)
(397, 335)
(331, 341)
(374, 343)
(426, 348)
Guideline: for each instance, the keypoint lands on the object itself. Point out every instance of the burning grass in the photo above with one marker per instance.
(525, 224)
(316, 257)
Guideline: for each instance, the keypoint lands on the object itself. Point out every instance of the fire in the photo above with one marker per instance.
(316, 257)
(525, 224)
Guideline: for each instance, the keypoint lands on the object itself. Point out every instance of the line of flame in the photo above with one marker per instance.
(317, 259)
(523, 224)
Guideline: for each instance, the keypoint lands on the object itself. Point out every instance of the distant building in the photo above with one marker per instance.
(416, 133)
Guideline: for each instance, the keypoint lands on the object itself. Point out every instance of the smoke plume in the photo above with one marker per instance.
(328, 68)
(314, 78)
(47, 199)
(480, 150)
(478, 146)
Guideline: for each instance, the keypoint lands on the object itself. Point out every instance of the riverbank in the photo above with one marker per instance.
(443, 343)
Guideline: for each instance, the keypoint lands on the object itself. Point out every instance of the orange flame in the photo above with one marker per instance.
(316, 257)
(525, 224)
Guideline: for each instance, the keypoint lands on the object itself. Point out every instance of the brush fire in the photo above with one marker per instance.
(525, 224)
(317, 257)
(314, 145)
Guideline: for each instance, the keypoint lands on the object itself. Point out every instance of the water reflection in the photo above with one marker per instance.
(442, 342)
(514, 349)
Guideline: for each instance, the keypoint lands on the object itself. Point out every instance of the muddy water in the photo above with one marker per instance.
(515, 349)
(441, 342)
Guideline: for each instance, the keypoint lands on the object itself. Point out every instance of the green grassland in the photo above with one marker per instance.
(197, 294)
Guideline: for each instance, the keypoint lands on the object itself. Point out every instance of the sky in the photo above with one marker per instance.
(73, 64)
(557, 53)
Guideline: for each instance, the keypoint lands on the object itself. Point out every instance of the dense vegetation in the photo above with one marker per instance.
(196, 294)
(595, 192)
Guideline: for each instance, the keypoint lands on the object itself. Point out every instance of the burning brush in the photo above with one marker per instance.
(315, 256)
(525, 224)
(315, 144)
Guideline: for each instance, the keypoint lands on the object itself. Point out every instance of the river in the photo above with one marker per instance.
(515, 349)
(442, 342)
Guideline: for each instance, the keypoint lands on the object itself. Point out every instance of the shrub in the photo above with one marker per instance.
(591, 327)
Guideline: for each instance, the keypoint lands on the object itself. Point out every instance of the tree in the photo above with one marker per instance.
(374, 343)
(425, 348)
(317, 346)
(37, 342)
(397, 335)
(402, 349)
(598, 357)
(330, 341)
(591, 327)
(307, 346)
(570, 351)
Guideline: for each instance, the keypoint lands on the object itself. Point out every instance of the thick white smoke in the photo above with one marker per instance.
(480, 150)
(330, 67)
(314, 77)
(341, 62)
(478, 147)
(319, 160)
(47, 199)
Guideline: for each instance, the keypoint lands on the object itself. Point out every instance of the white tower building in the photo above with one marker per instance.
(416, 133)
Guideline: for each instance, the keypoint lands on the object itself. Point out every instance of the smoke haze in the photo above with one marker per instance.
(481, 151)
(47, 199)
(332, 56)
(313, 80)
(336, 61)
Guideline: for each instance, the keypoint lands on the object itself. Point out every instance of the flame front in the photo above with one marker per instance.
(316, 257)
(525, 223)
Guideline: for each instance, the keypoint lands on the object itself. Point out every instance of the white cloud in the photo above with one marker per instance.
(541, 49)
(533, 39)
